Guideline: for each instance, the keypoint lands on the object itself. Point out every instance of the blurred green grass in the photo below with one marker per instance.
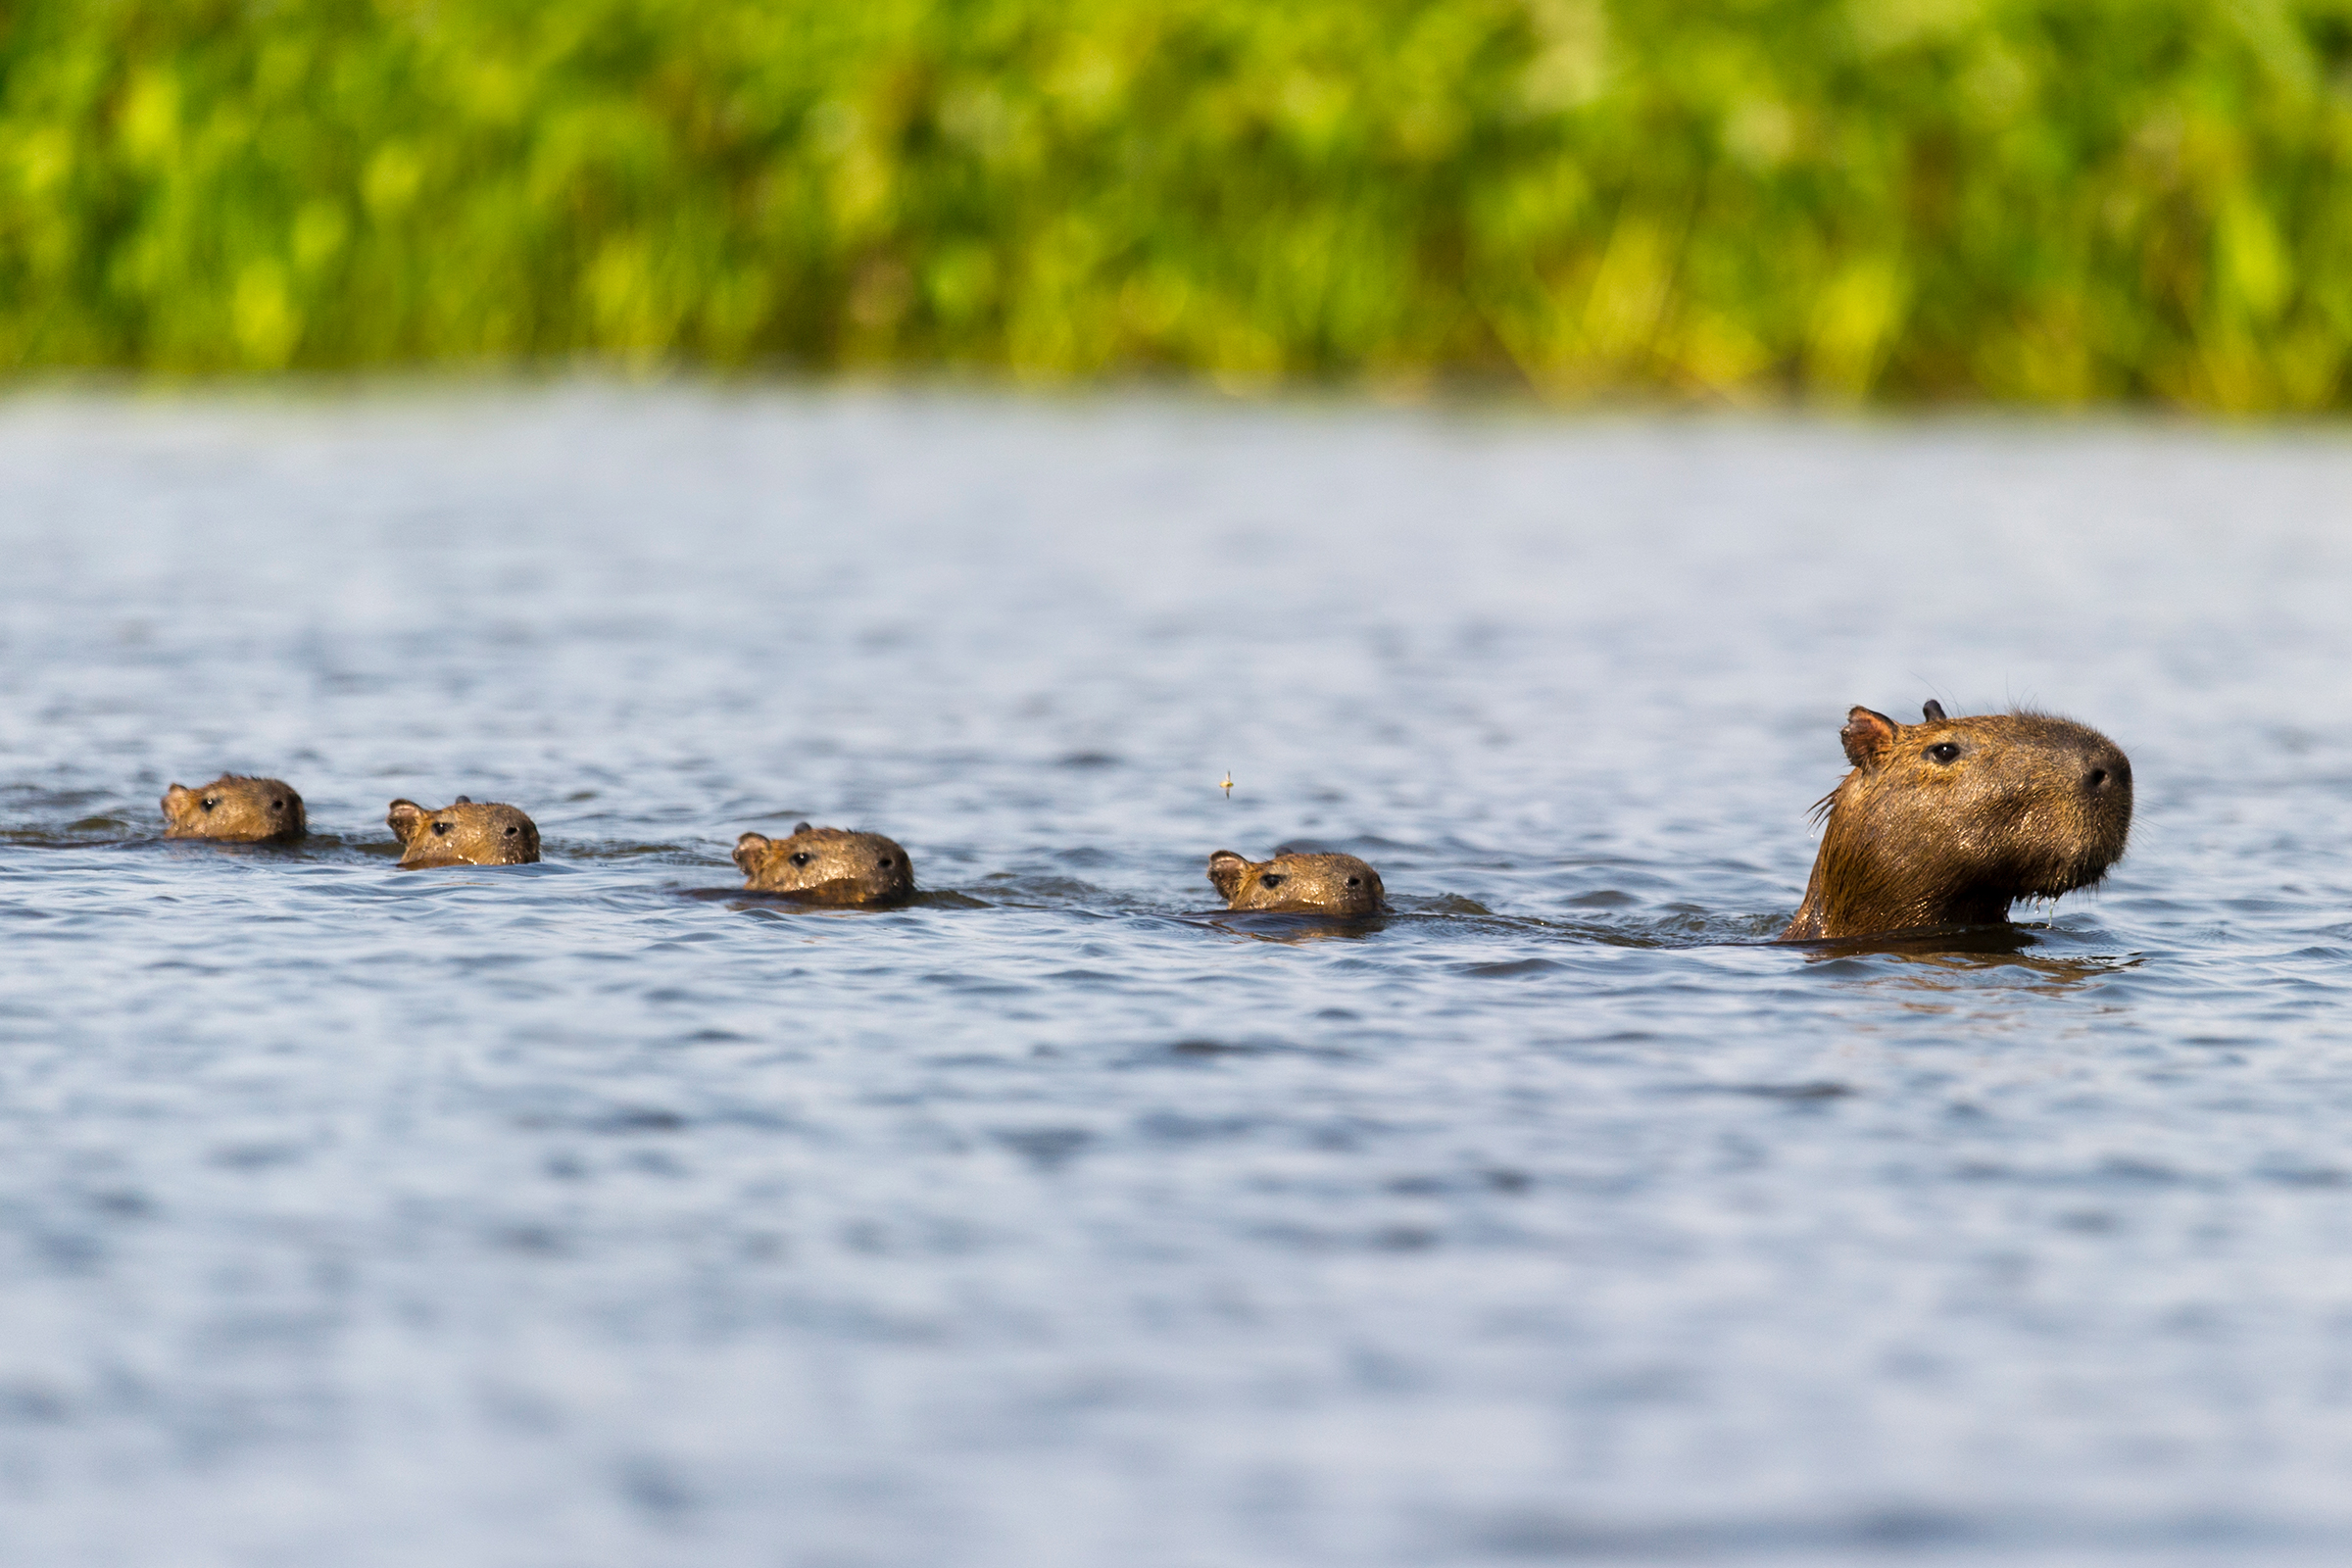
(2044, 201)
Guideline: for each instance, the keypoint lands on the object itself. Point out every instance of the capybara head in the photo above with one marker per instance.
(1950, 820)
(462, 833)
(826, 865)
(245, 810)
(1311, 884)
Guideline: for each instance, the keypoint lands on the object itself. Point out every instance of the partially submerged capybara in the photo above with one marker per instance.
(1301, 884)
(232, 806)
(1948, 822)
(826, 865)
(462, 833)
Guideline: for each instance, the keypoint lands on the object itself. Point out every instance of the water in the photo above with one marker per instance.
(553, 1215)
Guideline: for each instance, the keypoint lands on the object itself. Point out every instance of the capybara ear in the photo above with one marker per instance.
(1867, 736)
(799, 827)
(405, 818)
(1228, 871)
(748, 849)
(1932, 711)
(177, 801)
(462, 800)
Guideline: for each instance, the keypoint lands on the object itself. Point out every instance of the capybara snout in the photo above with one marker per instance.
(1308, 884)
(235, 808)
(463, 832)
(1948, 822)
(826, 865)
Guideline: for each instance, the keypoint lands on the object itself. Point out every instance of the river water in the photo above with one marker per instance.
(556, 1216)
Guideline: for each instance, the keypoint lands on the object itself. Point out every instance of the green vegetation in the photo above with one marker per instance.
(2042, 199)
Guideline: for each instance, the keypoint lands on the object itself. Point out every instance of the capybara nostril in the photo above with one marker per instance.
(2096, 777)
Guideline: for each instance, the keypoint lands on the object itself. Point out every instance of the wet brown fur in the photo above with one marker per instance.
(462, 833)
(1312, 884)
(828, 866)
(235, 808)
(1948, 822)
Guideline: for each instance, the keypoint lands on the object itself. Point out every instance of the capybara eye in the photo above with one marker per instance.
(211, 800)
(1273, 880)
(440, 828)
(802, 858)
(1944, 751)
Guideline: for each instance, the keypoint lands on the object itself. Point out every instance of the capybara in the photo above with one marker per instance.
(826, 865)
(1302, 884)
(232, 806)
(462, 833)
(1948, 822)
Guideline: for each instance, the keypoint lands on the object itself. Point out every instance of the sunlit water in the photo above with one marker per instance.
(553, 1215)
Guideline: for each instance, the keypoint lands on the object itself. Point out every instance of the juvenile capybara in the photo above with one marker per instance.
(232, 806)
(826, 865)
(1301, 884)
(462, 833)
(1948, 822)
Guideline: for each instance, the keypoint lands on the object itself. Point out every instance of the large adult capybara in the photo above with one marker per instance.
(235, 808)
(1298, 884)
(462, 833)
(828, 866)
(1948, 822)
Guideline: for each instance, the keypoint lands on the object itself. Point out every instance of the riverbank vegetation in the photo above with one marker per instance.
(2044, 201)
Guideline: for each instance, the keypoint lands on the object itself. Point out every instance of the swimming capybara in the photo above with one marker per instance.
(1298, 884)
(826, 865)
(232, 806)
(1948, 822)
(462, 833)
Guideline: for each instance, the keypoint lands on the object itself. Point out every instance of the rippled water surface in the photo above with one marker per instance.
(553, 1215)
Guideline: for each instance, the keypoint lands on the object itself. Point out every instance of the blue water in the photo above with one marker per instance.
(556, 1216)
